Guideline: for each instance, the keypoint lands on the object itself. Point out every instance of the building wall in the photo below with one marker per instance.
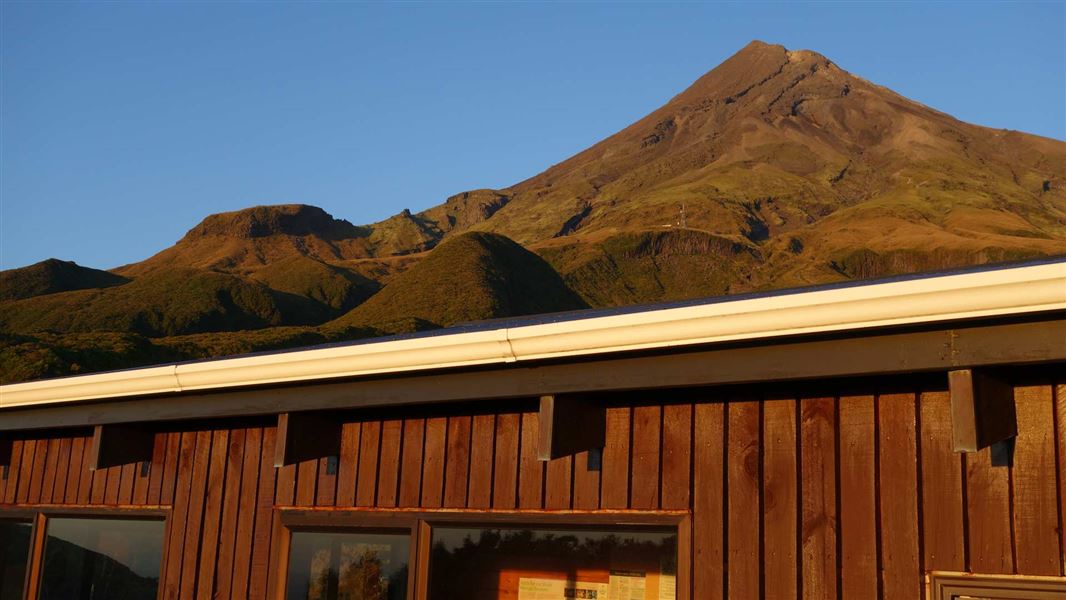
(847, 495)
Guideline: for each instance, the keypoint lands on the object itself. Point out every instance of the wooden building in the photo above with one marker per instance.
(895, 439)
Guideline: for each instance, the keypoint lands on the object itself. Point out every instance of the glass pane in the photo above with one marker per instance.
(544, 564)
(94, 559)
(347, 566)
(14, 552)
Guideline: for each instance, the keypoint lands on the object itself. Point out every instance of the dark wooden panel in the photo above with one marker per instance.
(457, 468)
(40, 457)
(303, 436)
(942, 507)
(25, 468)
(743, 482)
(982, 409)
(708, 541)
(369, 445)
(644, 465)
(586, 484)
(212, 519)
(482, 442)
(143, 472)
(285, 487)
(13, 471)
(780, 498)
(614, 482)
(868, 353)
(306, 480)
(818, 497)
(433, 462)
(85, 479)
(858, 506)
(251, 494)
(176, 525)
(114, 477)
(530, 467)
(51, 463)
(348, 464)
(76, 471)
(1060, 435)
(264, 520)
(677, 456)
(231, 505)
(900, 561)
(988, 514)
(570, 424)
(1035, 492)
(326, 488)
(505, 483)
(557, 483)
(194, 520)
(170, 468)
(414, 434)
(389, 465)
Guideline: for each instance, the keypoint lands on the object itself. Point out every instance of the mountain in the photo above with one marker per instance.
(471, 277)
(52, 276)
(777, 168)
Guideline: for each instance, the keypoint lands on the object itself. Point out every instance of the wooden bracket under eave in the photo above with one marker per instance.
(982, 409)
(307, 435)
(570, 424)
(120, 444)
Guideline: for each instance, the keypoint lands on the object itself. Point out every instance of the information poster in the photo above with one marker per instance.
(556, 589)
(667, 587)
(627, 585)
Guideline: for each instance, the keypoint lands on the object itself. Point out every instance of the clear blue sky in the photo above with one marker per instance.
(123, 124)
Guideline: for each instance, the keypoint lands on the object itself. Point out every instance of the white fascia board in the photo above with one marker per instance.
(1011, 291)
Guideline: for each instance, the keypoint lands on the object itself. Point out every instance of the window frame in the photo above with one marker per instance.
(39, 517)
(420, 524)
(947, 585)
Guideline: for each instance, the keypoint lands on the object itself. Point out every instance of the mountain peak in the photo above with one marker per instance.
(265, 221)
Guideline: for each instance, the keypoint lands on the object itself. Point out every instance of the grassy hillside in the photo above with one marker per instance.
(52, 276)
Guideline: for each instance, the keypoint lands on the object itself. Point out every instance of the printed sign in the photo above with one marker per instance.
(626, 585)
(555, 589)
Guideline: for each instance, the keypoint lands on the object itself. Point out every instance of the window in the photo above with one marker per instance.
(347, 566)
(550, 563)
(15, 538)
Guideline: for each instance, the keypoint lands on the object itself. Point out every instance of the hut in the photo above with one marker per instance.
(902, 438)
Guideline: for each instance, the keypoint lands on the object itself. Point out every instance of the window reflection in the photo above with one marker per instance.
(14, 552)
(101, 559)
(347, 566)
(543, 564)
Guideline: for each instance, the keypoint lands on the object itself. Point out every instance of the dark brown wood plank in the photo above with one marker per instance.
(530, 467)
(12, 471)
(586, 486)
(231, 504)
(482, 442)
(285, 488)
(982, 409)
(743, 482)
(99, 483)
(1060, 435)
(40, 457)
(858, 506)
(1036, 510)
(142, 473)
(780, 499)
(988, 514)
(505, 483)
(677, 456)
(557, 483)
(614, 477)
(369, 448)
(818, 497)
(201, 465)
(645, 466)
(898, 459)
(74, 471)
(708, 540)
(59, 490)
(177, 523)
(433, 462)
(114, 478)
(264, 520)
(251, 495)
(51, 464)
(942, 510)
(170, 468)
(306, 480)
(326, 489)
(85, 479)
(414, 439)
(212, 519)
(389, 464)
(457, 469)
(127, 475)
(6, 449)
(348, 464)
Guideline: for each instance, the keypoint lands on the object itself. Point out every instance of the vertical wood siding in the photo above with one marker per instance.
(835, 496)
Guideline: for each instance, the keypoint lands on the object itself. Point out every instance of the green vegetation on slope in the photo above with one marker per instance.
(471, 277)
(52, 276)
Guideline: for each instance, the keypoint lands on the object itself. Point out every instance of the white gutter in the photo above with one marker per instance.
(1011, 291)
